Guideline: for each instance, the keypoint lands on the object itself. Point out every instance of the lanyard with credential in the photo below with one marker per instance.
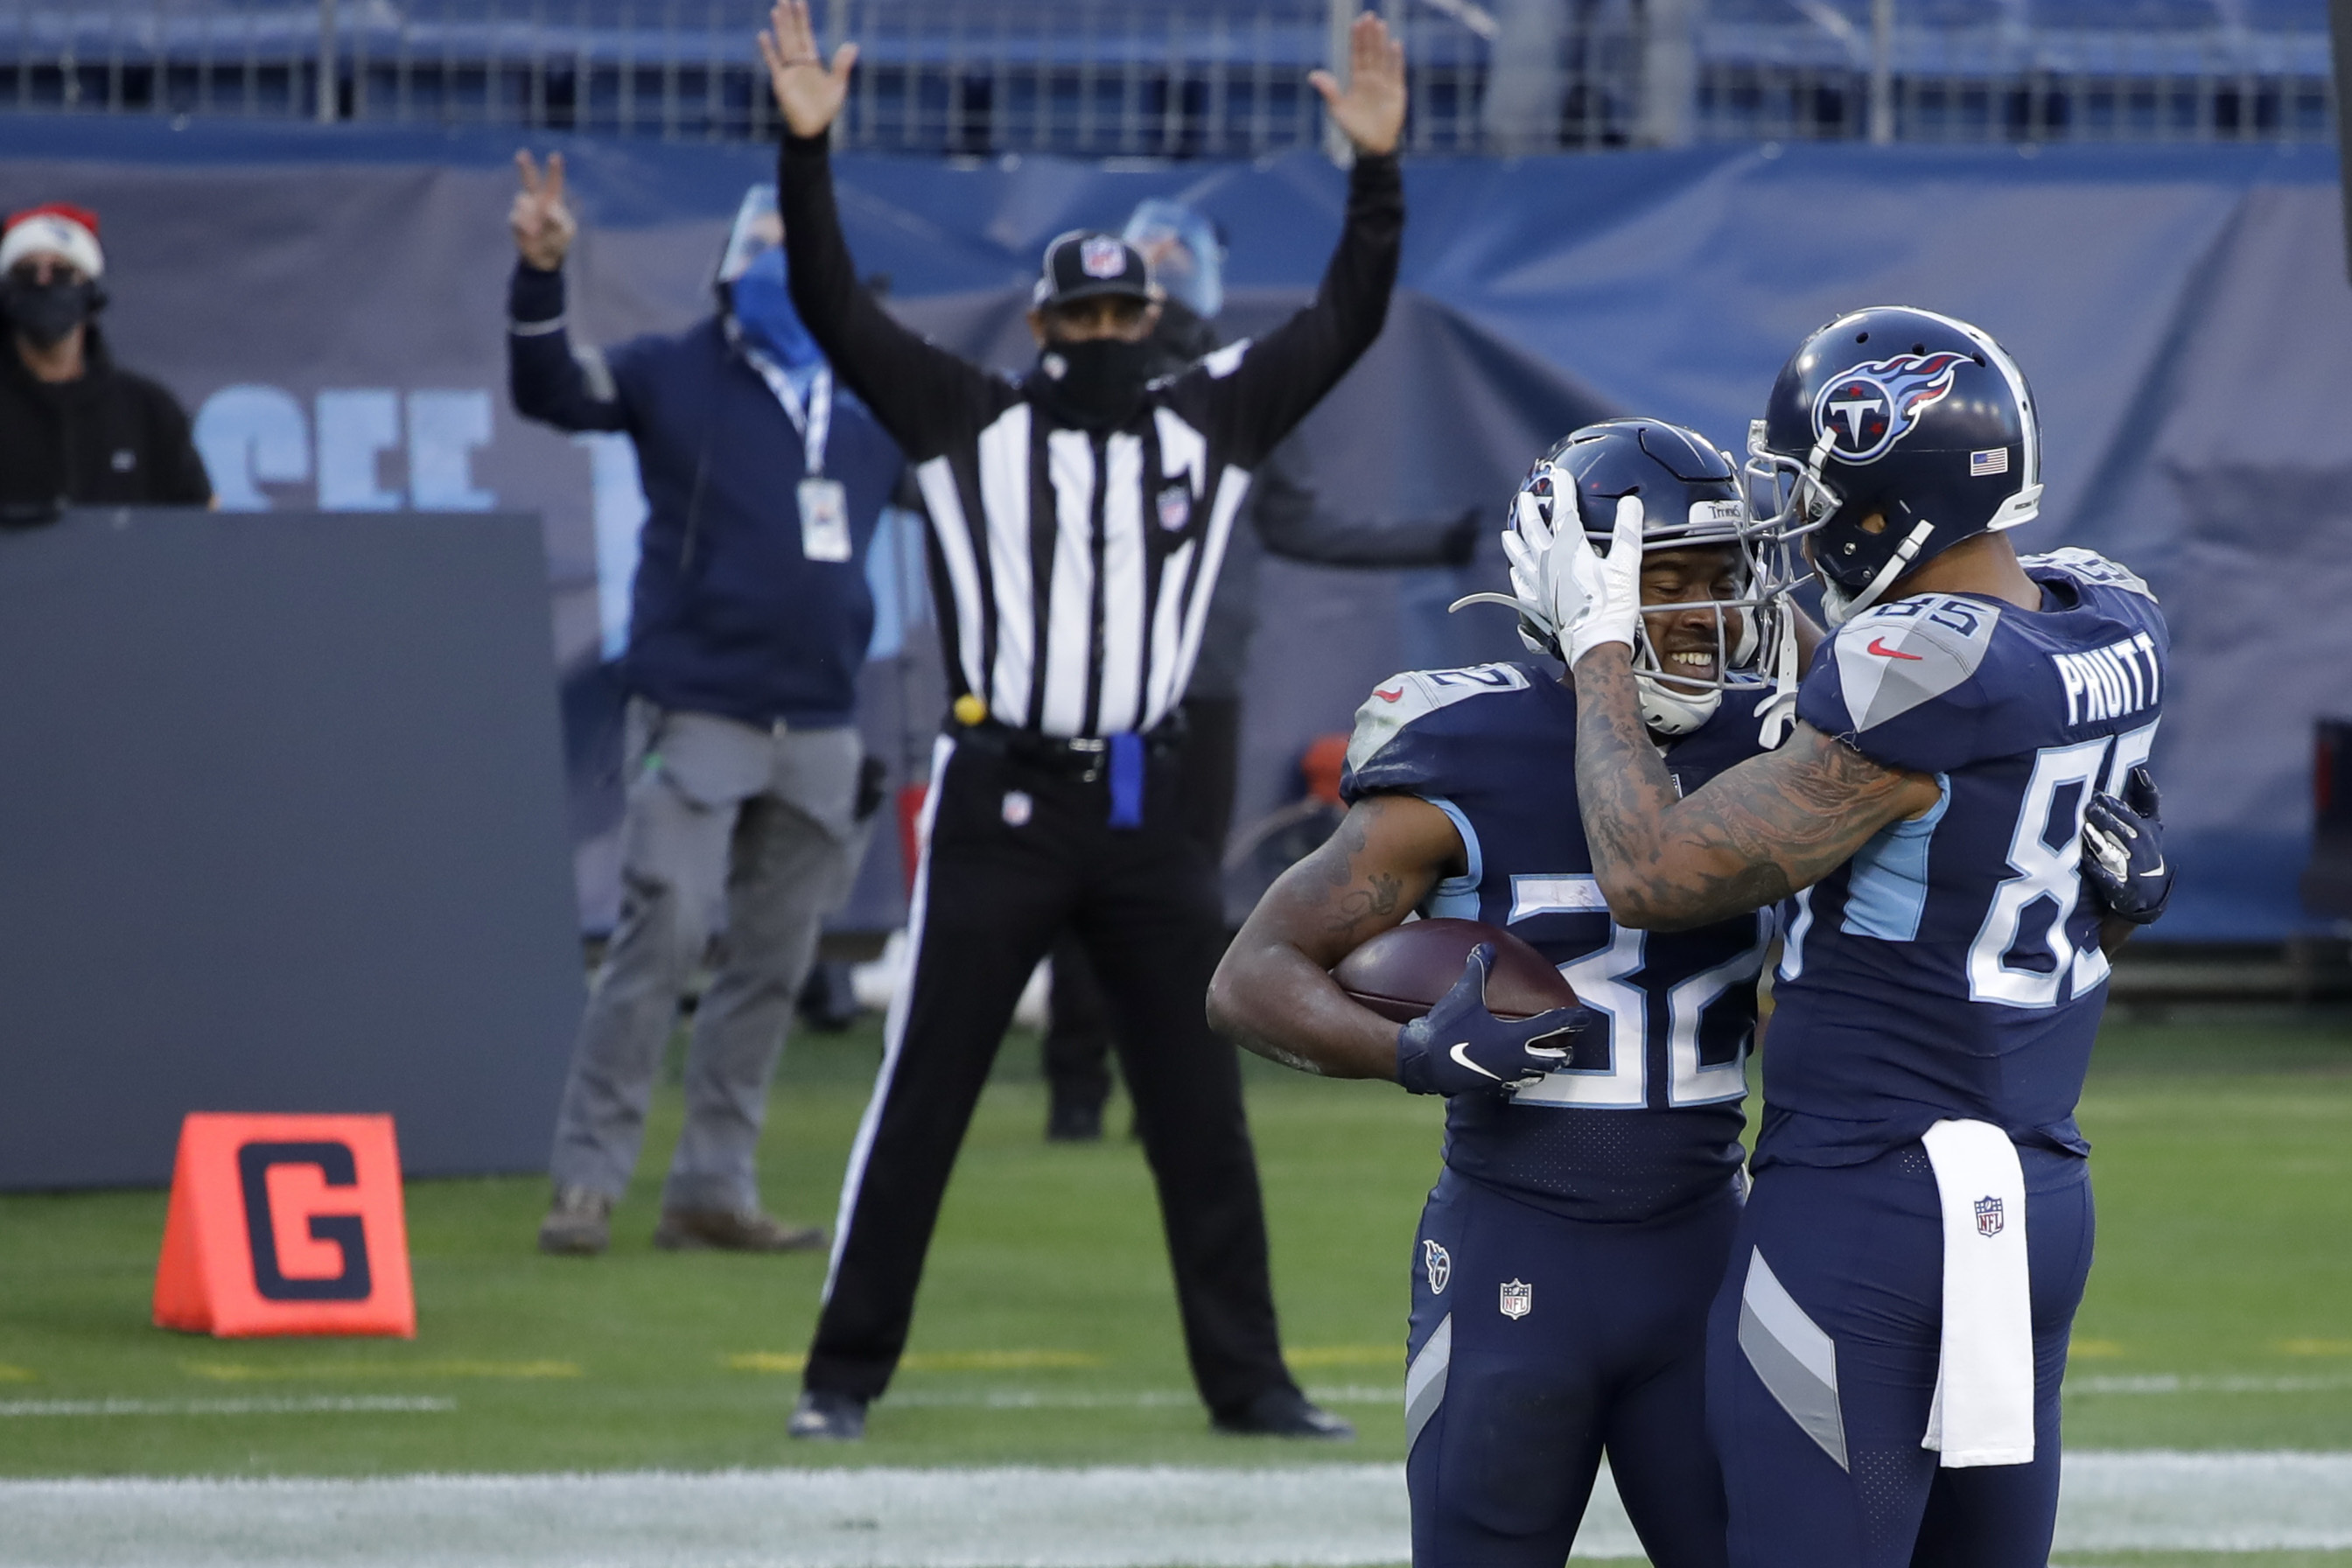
(824, 504)
(814, 421)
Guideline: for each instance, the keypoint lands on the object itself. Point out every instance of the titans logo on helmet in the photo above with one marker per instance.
(1874, 405)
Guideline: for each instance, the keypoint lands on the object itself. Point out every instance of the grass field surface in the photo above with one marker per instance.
(2219, 1317)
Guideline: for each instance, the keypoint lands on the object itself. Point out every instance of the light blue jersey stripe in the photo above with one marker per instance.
(1456, 898)
(1887, 890)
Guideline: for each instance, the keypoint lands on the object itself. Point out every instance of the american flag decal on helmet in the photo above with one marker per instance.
(1981, 464)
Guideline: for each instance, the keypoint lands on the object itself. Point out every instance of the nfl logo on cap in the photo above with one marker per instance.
(1099, 255)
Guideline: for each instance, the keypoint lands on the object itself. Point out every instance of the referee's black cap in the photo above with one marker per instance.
(1086, 264)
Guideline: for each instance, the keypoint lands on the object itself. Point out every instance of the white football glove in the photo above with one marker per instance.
(1565, 586)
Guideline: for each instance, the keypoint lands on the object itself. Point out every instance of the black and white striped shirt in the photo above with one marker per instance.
(1072, 567)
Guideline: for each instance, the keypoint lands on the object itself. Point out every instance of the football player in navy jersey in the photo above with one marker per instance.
(1568, 1254)
(1962, 831)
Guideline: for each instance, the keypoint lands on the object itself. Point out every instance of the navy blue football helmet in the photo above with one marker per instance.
(1690, 497)
(1914, 419)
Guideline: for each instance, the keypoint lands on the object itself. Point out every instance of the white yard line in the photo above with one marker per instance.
(1103, 1518)
(388, 1405)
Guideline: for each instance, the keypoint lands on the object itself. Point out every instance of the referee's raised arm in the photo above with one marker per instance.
(1254, 393)
(914, 386)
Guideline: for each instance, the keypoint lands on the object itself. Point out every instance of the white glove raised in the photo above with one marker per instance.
(1570, 599)
(1579, 596)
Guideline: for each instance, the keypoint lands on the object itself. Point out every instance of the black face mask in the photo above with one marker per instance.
(42, 313)
(1097, 385)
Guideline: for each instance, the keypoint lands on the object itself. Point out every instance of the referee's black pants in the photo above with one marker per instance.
(1077, 1049)
(1015, 852)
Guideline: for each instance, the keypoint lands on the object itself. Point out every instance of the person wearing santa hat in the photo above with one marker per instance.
(76, 429)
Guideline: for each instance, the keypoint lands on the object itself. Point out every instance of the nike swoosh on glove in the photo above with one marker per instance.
(1460, 1048)
(2123, 851)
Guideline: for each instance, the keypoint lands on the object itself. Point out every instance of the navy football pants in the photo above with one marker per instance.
(1860, 1248)
(1507, 1416)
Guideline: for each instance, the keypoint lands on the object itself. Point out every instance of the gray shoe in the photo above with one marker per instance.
(578, 1224)
(726, 1230)
(827, 1417)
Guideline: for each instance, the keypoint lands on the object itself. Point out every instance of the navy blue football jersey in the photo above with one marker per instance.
(1646, 1116)
(1952, 967)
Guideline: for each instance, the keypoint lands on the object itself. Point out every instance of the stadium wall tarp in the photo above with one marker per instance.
(331, 300)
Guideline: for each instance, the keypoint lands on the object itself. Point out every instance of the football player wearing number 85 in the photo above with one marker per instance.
(1565, 1260)
(1884, 1357)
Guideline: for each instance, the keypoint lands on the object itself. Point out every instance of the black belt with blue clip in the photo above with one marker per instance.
(1087, 759)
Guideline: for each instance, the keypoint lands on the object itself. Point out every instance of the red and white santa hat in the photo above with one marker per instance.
(58, 228)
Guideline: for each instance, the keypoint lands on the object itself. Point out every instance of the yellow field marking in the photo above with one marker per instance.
(15, 1373)
(934, 1361)
(246, 1372)
(2317, 1347)
(1345, 1355)
(2094, 1349)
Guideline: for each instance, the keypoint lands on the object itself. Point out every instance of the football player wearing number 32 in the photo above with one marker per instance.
(1885, 1354)
(1565, 1260)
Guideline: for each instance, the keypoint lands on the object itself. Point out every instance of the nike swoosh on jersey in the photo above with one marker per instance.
(1456, 1053)
(1877, 646)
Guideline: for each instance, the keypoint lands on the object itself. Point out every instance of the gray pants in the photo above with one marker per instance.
(719, 814)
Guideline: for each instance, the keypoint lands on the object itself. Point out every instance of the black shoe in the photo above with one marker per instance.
(1074, 1121)
(1285, 1413)
(827, 1417)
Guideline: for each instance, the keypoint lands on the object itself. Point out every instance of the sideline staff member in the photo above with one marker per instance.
(74, 429)
(748, 624)
(1079, 520)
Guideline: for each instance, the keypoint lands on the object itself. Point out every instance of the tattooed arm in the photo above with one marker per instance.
(1273, 992)
(1753, 836)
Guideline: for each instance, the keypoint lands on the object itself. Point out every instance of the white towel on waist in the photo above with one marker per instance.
(1983, 1409)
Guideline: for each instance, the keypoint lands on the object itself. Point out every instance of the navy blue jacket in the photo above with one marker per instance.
(726, 616)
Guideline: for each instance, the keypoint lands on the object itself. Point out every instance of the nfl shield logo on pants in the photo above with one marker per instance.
(1519, 1299)
(1988, 1217)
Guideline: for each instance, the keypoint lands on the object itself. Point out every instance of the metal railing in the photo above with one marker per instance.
(1164, 78)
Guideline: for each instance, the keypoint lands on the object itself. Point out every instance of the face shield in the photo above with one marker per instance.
(758, 227)
(1187, 259)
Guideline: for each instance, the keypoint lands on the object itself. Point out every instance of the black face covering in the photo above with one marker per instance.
(42, 313)
(1097, 385)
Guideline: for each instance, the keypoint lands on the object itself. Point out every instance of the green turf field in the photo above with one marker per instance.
(2220, 1314)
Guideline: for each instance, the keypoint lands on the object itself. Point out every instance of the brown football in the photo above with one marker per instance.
(1402, 973)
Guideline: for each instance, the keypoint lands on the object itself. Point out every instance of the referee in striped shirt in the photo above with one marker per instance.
(1079, 516)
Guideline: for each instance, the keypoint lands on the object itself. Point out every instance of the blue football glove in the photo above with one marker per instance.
(2123, 851)
(1459, 1048)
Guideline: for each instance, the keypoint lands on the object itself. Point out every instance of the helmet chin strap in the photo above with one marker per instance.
(1776, 713)
(1839, 608)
